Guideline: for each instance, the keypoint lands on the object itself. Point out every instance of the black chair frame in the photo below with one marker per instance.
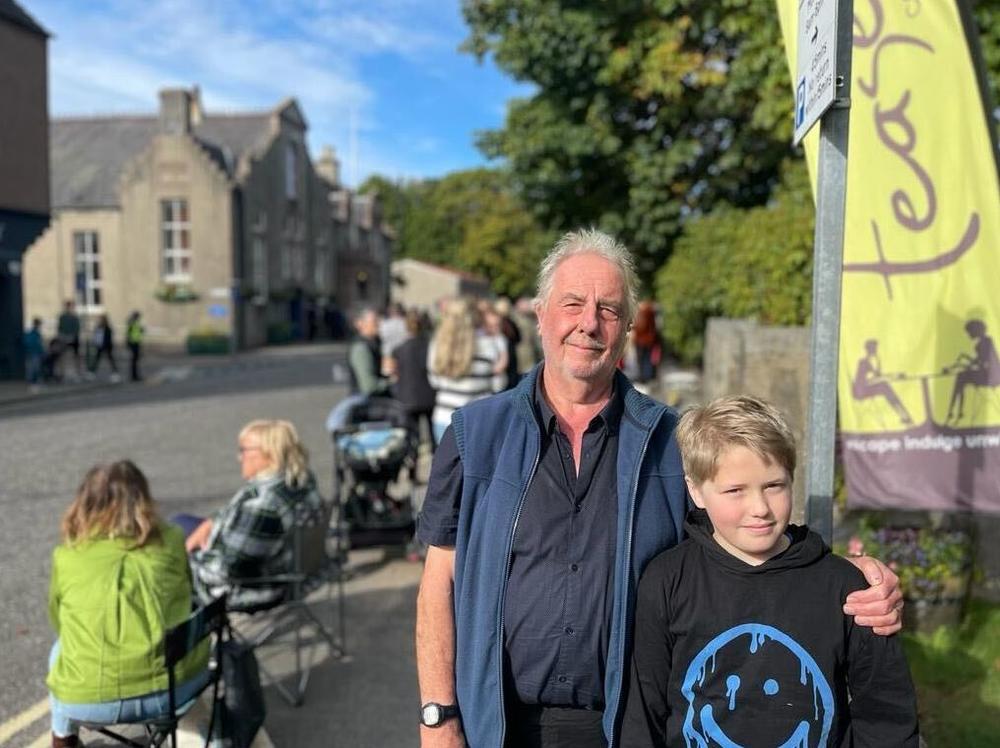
(312, 567)
(178, 642)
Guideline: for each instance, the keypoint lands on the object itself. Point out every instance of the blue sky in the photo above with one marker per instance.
(390, 67)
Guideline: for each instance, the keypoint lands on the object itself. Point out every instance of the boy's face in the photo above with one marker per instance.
(749, 501)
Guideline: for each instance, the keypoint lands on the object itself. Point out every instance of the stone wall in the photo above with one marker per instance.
(741, 357)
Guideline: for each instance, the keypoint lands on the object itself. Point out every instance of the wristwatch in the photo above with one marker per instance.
(435, 715)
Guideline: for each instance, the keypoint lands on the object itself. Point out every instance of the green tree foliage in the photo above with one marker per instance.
(739, 263)
(469, 220)
(646, 113)
(505, 244)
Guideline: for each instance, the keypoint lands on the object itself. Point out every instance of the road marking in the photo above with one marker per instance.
(43, 741)
(19, 721)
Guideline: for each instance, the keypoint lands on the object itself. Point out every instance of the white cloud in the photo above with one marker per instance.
(250, 54)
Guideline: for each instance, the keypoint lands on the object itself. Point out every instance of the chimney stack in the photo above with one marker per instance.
(328, 166)
(175, 111)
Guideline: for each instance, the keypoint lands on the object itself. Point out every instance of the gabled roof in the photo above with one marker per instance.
(404, 263)
(14, 13)
(87, 154)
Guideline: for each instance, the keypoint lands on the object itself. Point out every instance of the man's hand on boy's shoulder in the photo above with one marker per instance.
(880, 606)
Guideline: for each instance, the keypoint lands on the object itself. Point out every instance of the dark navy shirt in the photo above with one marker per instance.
(560, 590)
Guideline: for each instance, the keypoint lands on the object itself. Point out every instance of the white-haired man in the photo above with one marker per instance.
(544, 505)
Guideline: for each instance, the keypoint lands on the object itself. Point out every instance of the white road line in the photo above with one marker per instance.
(19, 721)
(43, 741)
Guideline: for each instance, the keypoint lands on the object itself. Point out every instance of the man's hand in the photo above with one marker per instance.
(448, 735)
(197, 540)
(881, 605)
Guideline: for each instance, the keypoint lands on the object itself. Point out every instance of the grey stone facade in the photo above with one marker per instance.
(422, 284)
(204, 223)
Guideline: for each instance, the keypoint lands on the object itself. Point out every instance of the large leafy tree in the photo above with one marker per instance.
(645, 112)
(470, 220)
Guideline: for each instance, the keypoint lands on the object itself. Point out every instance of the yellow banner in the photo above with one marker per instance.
(919, 376)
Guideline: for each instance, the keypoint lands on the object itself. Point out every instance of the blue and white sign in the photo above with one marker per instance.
(217, 310)
(816, 63)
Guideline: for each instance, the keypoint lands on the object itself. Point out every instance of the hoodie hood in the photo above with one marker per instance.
(806, 546)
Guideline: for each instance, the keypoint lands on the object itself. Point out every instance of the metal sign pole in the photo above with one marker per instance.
(827, 266)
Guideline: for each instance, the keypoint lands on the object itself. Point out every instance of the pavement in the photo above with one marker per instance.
(157, 367)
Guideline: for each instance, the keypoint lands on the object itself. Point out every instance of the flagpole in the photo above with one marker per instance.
(828, 256)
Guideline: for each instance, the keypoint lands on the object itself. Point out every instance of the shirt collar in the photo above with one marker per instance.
(611, 413)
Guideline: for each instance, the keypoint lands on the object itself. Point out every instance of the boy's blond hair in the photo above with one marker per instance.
(706, 432)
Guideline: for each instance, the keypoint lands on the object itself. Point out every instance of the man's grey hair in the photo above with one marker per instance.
(593, 242)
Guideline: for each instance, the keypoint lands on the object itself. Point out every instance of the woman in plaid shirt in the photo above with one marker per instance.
(250, 537)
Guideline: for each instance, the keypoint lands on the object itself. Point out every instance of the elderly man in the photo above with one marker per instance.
(544, 505)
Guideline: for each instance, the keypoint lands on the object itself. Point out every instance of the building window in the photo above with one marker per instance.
(291, 171)
(176, 222)
(260, 265)
(319, 271)
(87, 257)
(298, 262)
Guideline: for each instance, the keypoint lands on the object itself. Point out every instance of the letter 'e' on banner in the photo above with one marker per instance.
(919, 379)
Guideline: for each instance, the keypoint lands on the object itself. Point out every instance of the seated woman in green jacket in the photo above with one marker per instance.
(119, 581)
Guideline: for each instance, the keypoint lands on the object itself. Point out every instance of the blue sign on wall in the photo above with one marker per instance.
(217, 310)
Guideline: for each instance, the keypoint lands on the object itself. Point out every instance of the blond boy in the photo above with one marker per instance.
(740, 639)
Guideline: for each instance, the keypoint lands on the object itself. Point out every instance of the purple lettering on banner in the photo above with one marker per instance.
(899, 135)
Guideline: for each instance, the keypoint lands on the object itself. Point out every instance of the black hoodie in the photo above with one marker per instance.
(728, 654)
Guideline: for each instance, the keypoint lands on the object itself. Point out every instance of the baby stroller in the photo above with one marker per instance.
(375, 449)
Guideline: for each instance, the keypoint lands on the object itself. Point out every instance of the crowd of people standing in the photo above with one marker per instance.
(70, 356)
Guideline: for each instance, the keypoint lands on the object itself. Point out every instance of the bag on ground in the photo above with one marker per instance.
(243, 708)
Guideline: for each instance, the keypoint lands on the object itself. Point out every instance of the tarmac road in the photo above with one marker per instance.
(181, 430)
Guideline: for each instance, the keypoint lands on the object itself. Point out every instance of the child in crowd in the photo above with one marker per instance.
(120, 580)
(739, 634)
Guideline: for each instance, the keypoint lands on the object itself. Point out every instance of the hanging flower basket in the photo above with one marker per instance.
(175, 293)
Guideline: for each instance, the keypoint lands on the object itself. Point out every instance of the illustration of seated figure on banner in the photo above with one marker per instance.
(981, 369)
(871, 382)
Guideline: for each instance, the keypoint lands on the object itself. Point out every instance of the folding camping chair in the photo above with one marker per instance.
(178, 642)
(313, 567)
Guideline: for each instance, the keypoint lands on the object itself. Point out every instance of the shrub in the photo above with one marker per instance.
(201, 342)
(741, 263)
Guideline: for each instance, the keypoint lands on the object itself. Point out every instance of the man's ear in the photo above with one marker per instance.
(695, 491)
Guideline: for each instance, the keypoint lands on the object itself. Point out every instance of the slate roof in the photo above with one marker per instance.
(11, 11)
(87, 154)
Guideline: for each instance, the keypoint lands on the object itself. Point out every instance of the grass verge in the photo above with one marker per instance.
(957, 674)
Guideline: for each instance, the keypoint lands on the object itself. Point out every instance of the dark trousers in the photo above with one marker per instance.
(554, 727)
(416, 416)
(136, 350)
(111, 359)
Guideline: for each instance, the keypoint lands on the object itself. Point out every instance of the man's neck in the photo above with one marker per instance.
(576, 401)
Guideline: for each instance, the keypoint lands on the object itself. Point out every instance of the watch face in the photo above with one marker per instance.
(431, 714)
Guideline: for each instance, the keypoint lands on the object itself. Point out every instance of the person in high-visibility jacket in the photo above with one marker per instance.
(133, 336)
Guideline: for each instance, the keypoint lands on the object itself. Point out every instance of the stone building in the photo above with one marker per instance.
(203, 222)
(421, 285)
(24, 166)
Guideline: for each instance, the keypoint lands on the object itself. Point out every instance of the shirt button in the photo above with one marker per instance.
(569, 630)
(562, 678)
(573, 567)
